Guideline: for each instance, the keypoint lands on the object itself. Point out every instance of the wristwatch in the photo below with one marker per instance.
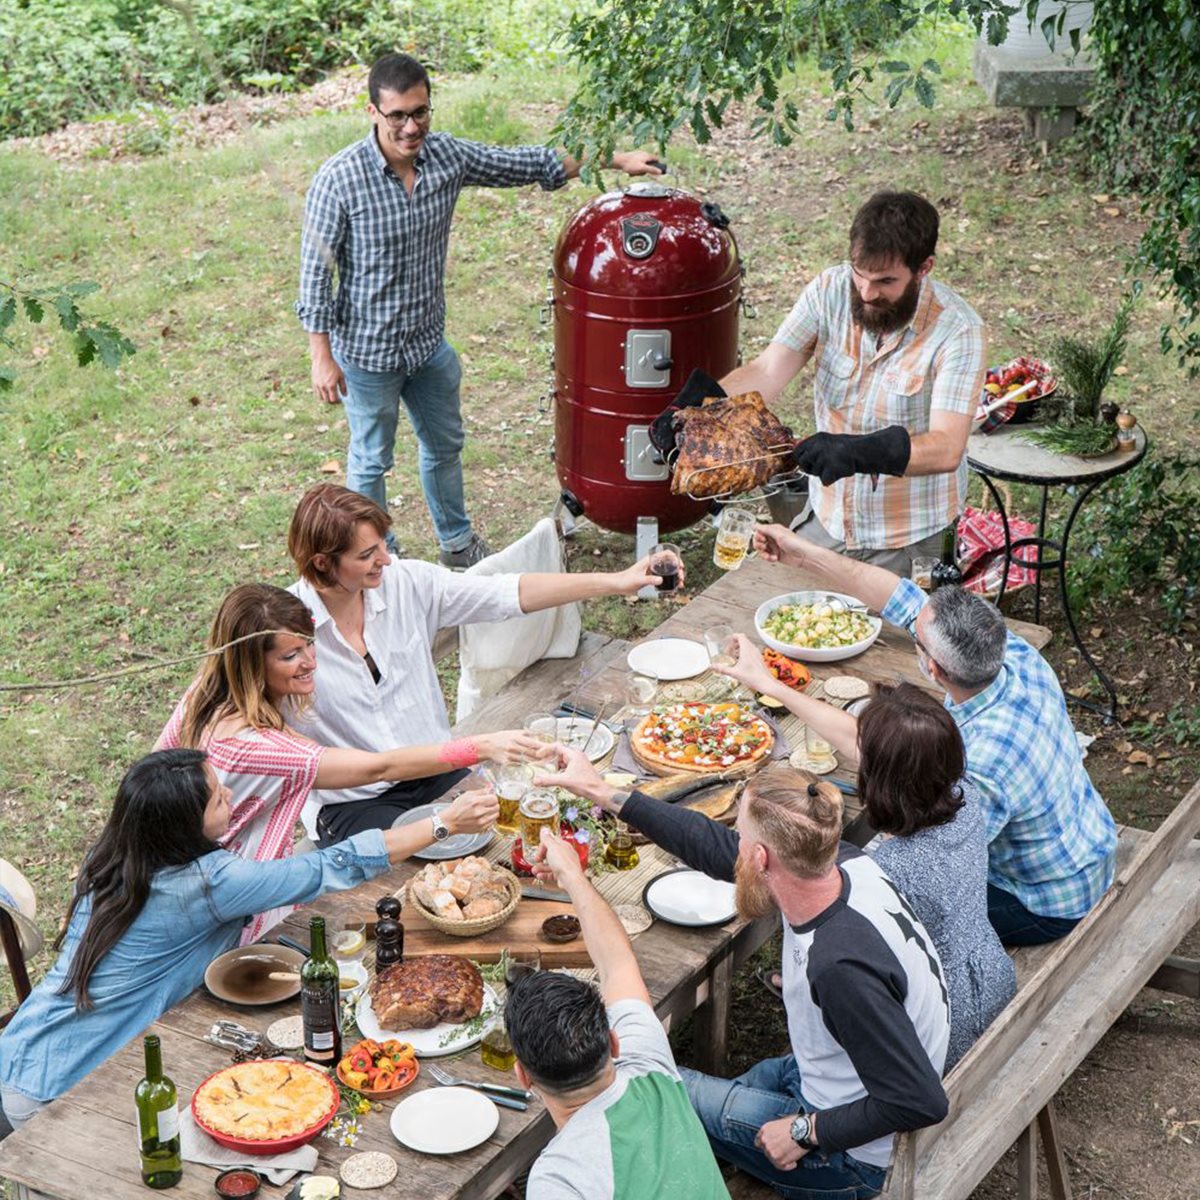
(441, 831)
(802, 1131)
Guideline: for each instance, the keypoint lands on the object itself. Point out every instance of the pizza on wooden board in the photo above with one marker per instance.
(705, 738)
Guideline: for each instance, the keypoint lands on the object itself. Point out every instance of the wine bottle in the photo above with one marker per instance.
(320, 1002)
(158, 1122)
(946, 572)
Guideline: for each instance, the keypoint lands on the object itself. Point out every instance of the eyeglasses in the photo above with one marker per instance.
(399, 118)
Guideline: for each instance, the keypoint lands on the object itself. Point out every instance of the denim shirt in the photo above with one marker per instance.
(192, 914)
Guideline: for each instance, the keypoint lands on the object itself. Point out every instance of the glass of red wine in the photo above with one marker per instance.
(666, 562)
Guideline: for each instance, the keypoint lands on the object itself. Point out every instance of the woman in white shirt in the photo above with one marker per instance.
(240, 709)
(376, 618)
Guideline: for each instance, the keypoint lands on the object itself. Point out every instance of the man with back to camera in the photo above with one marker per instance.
(1052, 842)
(899, 365)
(380, 211)
(603, 1066)
(868, 1014)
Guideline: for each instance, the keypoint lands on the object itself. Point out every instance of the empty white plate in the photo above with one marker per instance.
(669, 658)
(686, 897)
(444, 1120)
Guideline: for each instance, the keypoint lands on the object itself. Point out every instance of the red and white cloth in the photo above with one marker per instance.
(981, 552)
(270, 773)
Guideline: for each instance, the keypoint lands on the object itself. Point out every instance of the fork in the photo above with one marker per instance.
(507, 1097)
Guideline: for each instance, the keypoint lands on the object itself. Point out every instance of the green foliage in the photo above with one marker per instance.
(90, 339)
(1142, 532)
(649, 69)
(1144, 136)
(62, 60)
(1085, 368)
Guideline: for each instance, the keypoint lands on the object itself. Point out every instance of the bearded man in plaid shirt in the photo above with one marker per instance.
(1052, 843)
(899, 370)
(378, 213)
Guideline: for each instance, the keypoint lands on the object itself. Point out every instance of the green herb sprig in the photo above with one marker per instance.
(1084, 438)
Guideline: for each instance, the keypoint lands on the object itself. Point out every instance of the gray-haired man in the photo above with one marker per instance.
(1052, 840)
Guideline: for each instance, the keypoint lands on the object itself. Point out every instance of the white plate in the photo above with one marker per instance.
(444, 1120)
(427, 1042)
(806, 653)
(669, 658)
(686, 897)
(579, 733)
(457, 845)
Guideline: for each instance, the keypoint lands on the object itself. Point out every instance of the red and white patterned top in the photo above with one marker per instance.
(270, 773)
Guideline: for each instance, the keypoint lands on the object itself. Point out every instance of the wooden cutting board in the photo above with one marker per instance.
(522, 931)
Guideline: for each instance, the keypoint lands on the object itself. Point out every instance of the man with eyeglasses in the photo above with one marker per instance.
(379, 213)
(1052, 842)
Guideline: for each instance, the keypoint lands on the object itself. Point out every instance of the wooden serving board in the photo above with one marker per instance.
(522, 931)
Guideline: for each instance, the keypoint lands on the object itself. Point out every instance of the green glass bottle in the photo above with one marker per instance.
(158, 1122)
(320, 1000)
(946, 573)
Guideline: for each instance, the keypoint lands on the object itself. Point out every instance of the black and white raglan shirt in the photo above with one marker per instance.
(867, 1008)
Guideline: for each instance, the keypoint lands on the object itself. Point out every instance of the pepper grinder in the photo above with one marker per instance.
(389, 943)
(1126, 424)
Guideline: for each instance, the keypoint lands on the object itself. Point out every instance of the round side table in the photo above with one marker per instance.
(1005, 454)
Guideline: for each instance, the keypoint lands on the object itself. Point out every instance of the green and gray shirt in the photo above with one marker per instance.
(639, 1138)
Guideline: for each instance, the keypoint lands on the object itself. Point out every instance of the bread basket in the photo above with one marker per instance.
(472, 926)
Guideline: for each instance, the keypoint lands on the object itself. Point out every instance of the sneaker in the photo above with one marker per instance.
(474, 551)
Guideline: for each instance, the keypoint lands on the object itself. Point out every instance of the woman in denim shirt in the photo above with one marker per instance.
(156, 901)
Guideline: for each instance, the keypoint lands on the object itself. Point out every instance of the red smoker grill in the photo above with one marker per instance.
(646, 287)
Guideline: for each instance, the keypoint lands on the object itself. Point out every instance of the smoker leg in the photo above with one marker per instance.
(565, 517)
(647, 539)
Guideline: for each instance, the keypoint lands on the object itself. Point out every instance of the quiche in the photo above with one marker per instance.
(264, 1101)
(705, 738)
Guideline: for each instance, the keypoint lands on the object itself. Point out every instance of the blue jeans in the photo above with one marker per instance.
(1017, 926)
(430, 394)
(733, 1110)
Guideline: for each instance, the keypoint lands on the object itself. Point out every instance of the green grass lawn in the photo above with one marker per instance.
(133, 500)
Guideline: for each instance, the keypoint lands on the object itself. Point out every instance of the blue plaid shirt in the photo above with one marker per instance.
(1052, 841)
(389, 310)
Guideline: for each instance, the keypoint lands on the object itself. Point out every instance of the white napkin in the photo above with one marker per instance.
(198, 1147)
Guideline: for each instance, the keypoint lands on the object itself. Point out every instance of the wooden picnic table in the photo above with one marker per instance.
(83, 1145)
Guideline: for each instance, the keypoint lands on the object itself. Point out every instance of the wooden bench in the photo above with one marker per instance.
(1069, 994)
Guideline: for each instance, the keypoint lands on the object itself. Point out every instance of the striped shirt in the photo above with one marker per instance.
(864, 383)
(1052, 842)
(270, 773)
(388, 312)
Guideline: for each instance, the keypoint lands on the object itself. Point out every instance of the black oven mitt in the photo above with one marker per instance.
(698, 388)
(833, 456)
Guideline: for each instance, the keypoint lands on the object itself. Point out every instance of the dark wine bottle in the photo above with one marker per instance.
(320, 1002)
(946, 573)
(158, 1122)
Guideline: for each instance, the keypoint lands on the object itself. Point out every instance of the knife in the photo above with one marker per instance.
(293, 945)
(566, 709)
(535, 891)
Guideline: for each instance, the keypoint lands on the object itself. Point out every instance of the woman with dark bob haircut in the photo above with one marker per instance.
(910, 777)
(156, 900)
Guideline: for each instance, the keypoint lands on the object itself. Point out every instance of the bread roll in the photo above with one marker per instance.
(485, 906)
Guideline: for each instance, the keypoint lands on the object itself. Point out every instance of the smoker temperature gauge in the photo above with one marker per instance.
(639, 235)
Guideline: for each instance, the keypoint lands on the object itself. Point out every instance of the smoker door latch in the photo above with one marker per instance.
(648, 358)
(643, 463)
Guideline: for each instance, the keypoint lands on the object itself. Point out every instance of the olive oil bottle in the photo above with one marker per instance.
(320, 1000)
(158, 1122)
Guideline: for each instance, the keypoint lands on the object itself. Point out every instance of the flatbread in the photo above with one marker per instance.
(800, 760)
(846, 687)
(706, 739)
(633, 917)
(371, 1169)
(287, 1033)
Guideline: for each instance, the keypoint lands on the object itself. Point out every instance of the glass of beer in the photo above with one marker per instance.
(720, 644)
(665, 561)
(735, 530)
(538, 810)
(640, 690)
(542, 727)
(513, 780)
(922, 572)
(818, 752)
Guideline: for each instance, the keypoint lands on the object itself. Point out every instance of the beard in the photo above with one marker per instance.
(751, 897)
(888, 315)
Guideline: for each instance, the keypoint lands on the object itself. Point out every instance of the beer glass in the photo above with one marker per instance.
(922, 572)
(513, 780)
(735, 530)
(818, 752)
(538, 810)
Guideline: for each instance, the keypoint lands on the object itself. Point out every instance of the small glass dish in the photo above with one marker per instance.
(562, 928)
(238, 1183)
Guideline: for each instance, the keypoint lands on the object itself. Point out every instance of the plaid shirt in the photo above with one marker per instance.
(864, 383)
(1052, 841)
(389, 310)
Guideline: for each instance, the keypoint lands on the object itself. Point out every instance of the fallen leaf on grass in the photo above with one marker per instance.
(1141, 756)
(332, 467)
(1101, 199)
(1122, 747)
(1113, 212)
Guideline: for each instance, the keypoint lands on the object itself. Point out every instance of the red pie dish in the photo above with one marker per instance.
(278, 1103)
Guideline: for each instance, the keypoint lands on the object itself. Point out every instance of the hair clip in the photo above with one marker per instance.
(814, 790)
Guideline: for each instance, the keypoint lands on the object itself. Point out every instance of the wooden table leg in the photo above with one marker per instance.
(711, 1043)
(1056, 1162)
(1027, 1178)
